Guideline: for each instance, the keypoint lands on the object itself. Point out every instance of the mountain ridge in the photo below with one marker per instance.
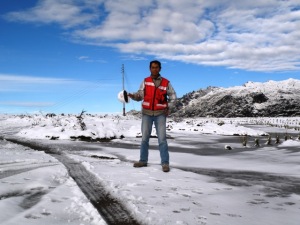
(253, 99)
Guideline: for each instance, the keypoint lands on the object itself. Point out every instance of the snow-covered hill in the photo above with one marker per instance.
(272, 98)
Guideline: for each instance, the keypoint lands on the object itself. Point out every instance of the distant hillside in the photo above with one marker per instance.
(272, 98)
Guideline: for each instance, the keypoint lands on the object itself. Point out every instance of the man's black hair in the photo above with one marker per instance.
(155, 62)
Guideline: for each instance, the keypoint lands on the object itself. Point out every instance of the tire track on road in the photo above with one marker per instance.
(112, 210)
(9, 173)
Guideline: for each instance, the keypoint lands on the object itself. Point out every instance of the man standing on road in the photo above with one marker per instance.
(158, 98)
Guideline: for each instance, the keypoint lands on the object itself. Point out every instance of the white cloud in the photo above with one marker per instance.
(48, 93)
(83, 57)
(134, 57)
(27, 104)
(65, 12)
(18, 83)
(32, 80)
(88, 59)
(250, 35)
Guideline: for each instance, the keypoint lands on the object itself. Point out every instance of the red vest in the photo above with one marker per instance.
(155, 98)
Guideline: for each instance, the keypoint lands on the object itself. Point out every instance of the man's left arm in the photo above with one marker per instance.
(171, 97)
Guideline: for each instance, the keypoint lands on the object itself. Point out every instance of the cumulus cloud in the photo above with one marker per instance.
(251, 35)
(68, 13)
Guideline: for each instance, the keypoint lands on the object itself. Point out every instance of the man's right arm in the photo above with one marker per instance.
(139, 95)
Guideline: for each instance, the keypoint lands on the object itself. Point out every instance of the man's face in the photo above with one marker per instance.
(154, 69)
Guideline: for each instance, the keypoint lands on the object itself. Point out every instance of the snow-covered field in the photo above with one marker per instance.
(246, 185)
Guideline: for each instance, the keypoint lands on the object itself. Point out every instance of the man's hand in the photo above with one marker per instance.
(130, 95)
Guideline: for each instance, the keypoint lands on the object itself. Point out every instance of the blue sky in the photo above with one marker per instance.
(64, 56)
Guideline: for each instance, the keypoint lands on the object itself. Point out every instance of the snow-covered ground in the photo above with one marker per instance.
(247, 185)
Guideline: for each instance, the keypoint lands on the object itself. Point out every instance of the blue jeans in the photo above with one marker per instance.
(160, 125)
